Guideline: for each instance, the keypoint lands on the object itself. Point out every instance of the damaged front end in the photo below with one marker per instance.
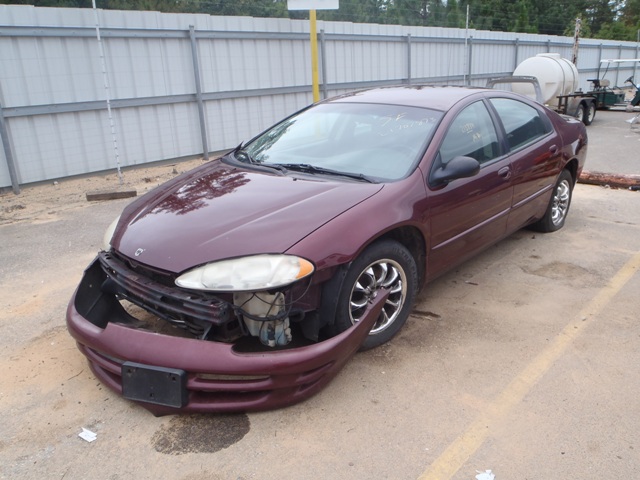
(204, 314)
(177, 350)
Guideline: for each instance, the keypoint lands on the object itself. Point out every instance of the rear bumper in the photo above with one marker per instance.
(218, 378)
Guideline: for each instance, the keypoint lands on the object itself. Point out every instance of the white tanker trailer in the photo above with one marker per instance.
(552, 81)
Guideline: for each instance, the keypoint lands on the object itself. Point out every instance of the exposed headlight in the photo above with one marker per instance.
(106, 240)
(254, 273)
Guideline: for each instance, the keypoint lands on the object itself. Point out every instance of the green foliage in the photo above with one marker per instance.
(454, 17)
(585, 30)
(631, 12)
(523, 21)
(251, 8)
(618, 31)
(366, 11)
(607, 19)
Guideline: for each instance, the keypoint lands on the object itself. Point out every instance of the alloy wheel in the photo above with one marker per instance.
(561, 199)
(386, 274)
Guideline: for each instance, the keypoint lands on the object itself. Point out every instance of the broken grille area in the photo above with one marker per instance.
(201, 314)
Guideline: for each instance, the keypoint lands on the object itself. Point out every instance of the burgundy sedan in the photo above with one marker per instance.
(247, 283)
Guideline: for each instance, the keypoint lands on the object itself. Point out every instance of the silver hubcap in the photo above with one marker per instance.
(560, 205)
(380, 274)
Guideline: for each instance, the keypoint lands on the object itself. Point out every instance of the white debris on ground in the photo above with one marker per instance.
(87, 435)
(486, 475)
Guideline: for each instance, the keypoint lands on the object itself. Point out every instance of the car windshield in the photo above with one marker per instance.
(370, 141)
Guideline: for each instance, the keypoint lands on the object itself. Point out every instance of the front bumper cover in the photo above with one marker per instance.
(218, 377)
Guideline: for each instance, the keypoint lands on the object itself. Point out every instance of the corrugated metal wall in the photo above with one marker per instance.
(253, 72)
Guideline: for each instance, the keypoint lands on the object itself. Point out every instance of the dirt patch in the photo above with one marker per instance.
(43, 202)
(560, 271)
(39, 391)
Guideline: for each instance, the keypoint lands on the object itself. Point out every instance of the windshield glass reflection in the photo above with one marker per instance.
(379, 141)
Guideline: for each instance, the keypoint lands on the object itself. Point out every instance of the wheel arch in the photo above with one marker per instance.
(409, 236)
(414, 241)
(572, 167)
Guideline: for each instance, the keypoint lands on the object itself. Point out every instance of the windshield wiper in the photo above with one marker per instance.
(242, 155)
(307, 168)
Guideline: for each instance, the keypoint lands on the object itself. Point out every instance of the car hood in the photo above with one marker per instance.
(218, 211)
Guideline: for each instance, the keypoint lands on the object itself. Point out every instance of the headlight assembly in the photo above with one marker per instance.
(106, 240)
(247, 274)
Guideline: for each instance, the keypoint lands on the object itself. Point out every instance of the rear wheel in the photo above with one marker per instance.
(384, 265)
(558, 207)
(586, 112)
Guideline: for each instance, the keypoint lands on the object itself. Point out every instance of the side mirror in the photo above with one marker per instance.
(457, 167)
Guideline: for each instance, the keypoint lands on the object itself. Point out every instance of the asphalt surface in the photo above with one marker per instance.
(614, 144)
(524, 361)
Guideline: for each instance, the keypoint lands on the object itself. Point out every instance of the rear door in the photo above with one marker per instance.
(468, 214)
(534, 151)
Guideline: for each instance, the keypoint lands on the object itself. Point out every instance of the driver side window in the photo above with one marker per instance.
(471, 134)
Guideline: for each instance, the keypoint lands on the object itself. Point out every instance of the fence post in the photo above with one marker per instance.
(618, 65)
(635, 64)
(323, 63)
(470, 60)
(599, 59)
(4, 135)
(196, 73)
(408, 59)
(516, 46)
(107, 92)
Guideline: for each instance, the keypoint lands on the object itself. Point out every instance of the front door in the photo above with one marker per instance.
(468, 214)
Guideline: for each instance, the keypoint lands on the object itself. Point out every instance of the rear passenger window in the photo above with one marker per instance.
(471, 134)
(522, 123)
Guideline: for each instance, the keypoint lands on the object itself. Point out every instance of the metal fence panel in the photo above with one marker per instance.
(253, 71)
(5, 178)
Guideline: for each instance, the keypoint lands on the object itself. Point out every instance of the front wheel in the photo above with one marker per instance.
(383, 265)
(558, 207)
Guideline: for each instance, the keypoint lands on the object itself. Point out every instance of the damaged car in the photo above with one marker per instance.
(248, 282)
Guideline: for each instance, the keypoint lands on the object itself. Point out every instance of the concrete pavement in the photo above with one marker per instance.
(614, 145)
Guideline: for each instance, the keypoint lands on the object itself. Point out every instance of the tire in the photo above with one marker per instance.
(581, 114)
(383, 264)
(589, 113)
(558, 207)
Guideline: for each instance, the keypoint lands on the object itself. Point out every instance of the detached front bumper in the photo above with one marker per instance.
(213, 377)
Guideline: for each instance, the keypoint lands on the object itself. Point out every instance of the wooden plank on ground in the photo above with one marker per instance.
(110, 195)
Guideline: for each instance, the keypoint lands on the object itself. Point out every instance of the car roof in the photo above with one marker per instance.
(427, 96)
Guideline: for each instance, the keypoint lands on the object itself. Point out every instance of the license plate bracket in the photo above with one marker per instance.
(157, 385)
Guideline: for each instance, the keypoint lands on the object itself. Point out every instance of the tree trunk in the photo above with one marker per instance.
(611, 179)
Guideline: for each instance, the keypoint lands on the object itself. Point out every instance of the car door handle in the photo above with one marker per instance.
(505, 172)
(553, 149)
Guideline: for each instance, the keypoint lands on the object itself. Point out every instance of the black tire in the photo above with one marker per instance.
(589, 113)
(384, 263)
(558, 207)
